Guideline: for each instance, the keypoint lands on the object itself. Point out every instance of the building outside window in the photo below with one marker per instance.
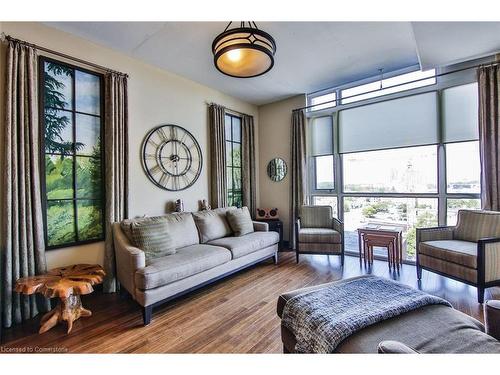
(233, 160)
(418, 167)
(72, 182)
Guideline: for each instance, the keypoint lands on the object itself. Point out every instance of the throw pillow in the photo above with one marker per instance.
(153, 238)
(240, 221)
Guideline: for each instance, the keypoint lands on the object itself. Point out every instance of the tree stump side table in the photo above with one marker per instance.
(66, 283)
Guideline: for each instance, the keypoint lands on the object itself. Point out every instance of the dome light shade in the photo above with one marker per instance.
(244, 52)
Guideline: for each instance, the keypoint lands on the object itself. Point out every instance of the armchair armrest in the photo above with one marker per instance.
(492, 318)
(260, 226)
(434, 234)
(128, 259)
(337, 225)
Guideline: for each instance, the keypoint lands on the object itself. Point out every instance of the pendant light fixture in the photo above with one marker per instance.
(244, 52)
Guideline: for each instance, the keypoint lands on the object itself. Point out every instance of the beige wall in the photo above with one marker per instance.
(274, 141)
(155, 97)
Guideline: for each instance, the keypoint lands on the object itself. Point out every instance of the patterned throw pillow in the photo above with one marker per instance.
(153, 238)
(240, 221)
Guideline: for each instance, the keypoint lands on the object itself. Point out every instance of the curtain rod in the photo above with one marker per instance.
(399, 84)
(229, 109)
(4, 37)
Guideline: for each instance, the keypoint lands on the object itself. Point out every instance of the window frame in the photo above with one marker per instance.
(232, 167)
(441, 194)
(41, 118)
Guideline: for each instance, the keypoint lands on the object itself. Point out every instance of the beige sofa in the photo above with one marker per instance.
(206, 251)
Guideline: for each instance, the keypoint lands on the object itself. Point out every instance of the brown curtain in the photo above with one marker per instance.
(248, 167)
(298, 170)
(218, 188)
(22, 239)
(489, 136)
(116, 166)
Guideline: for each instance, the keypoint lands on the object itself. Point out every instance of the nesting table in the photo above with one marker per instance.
(390, 237)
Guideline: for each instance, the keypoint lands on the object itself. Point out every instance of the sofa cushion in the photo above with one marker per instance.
(241, 246)
(472, 225)
(455, 251)
(240, 221)
(181, 228)
(186, 262)
(153, 238)
(319, 235)
(212, 224)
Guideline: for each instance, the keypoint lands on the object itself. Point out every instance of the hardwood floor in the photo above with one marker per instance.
(235, 315)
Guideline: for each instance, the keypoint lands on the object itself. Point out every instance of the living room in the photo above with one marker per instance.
(291, 185)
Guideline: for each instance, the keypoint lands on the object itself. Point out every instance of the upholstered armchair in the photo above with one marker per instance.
(318, 232)
(468, 252)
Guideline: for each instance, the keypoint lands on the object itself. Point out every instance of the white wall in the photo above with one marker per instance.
(155, 97)
(274, 141)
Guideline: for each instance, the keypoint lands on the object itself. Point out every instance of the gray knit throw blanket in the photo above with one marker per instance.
(322, 319)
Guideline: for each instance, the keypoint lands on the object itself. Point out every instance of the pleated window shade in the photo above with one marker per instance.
(460, 113)
(408, 121)
(321, 135)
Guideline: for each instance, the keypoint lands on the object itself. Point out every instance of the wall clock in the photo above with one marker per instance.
(171, 157)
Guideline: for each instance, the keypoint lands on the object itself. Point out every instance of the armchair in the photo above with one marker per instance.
(468, 252)
(318, 232)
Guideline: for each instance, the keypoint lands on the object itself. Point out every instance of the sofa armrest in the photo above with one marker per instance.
(128, 259)
(492, 318)
(394, 347)
(260, 226)
(488, 255)
(434, 234)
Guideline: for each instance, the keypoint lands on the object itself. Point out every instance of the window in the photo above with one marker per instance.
(404, 170)
(72, 120)
(388, 86)
(318, 100)
(327, 201)
(463, 169)
(453, 205)
(233, 160)
(323, 167)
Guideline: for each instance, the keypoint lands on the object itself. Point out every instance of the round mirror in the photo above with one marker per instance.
(276, 169)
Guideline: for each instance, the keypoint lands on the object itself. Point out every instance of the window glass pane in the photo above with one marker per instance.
(322, 99)
(355, 94)
(321, 129)
(236, 154)
(229, 154)
(58, 131)
(460, 113)
(229, 178)
(58, 86)
(404, 213)
(324, 172)
(88, 129)
(88, 96)
(463, 171)
(236, 129)
(88, 177)
(453, 205)
(227, 126)
(237, 200)
(237, 178)
(60, 222)
(326, 201)
(89, 220)
(406, 170)
(58, 177)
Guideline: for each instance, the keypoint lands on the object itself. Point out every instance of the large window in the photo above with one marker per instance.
(72, 120)
(409, 161)
(233, 160)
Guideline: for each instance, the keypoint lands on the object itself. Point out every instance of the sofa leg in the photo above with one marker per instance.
(285, 350)
(147, 312)
(419, 272)
(297, 256)
(342, 259)
(275, 258)
(480, 294)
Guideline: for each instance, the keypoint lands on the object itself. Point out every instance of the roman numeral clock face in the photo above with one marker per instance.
(171, 157)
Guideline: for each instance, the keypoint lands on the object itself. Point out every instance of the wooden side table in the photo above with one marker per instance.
(66, 283)
(389, 237)
(275, 225)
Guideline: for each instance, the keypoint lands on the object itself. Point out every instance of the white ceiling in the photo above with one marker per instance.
(310, 55)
